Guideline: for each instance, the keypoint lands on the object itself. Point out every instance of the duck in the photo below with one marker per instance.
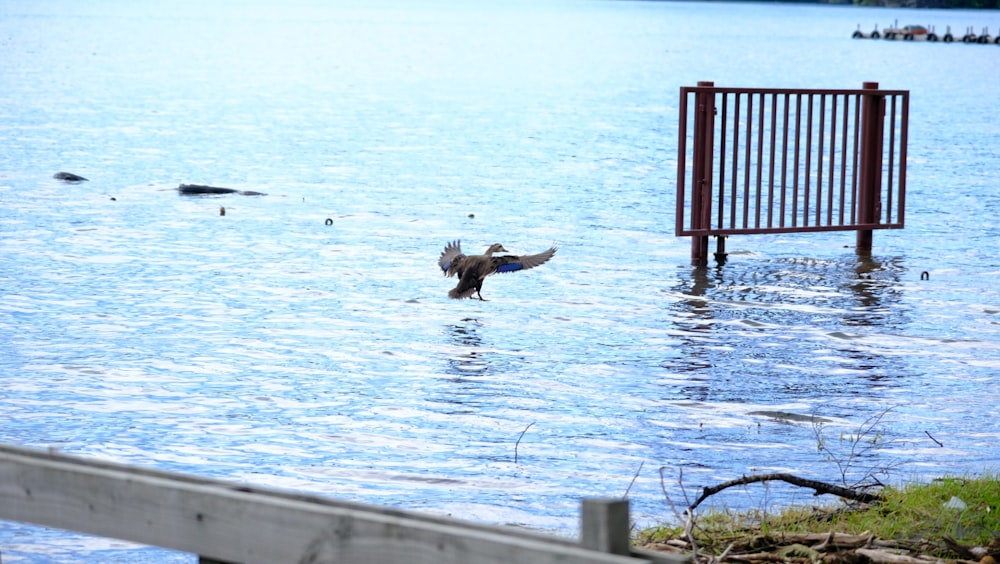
(473, 269)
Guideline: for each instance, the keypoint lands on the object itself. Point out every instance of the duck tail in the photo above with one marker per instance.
(461, 293)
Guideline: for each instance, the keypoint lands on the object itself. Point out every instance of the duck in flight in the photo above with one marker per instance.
(473, 269)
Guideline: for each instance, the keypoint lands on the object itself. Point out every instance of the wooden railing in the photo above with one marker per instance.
(224, 522)
(778, 160)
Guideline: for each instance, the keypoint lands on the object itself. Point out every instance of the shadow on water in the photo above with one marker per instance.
(785, 329)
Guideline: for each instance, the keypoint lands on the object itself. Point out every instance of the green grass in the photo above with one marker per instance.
(911, 513)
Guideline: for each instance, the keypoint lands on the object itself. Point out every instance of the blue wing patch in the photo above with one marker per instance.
(509, 267)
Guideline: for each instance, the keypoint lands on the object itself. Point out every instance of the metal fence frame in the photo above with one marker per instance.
(782, 160)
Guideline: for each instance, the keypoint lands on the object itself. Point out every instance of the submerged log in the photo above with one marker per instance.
(202, 190)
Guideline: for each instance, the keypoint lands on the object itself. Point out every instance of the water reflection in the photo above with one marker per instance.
(783, 329)
(473, 360)
(478, 373)
(877, 291)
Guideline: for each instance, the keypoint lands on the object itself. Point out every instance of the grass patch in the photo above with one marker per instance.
(965, 509)
(944, 518)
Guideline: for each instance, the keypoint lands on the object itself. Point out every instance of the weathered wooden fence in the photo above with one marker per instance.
(224, 522)
(779, 160)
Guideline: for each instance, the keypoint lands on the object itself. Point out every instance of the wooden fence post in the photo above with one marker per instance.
(604, 525)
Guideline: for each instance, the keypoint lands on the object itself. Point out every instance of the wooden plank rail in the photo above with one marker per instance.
(226, 522)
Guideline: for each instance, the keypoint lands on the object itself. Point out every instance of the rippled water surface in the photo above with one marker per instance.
(267, 347)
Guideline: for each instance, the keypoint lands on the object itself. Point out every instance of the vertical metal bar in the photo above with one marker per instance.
(698, 250)
(746, 163)
(720, 222)
(701, 197)
(808, 169)
(736, 161)
(871, 164)
(832, 163)
(784, 161)
(795, 172)
(855, 152)
(904, 120)
(770, 176)
(681, 162)
(760, 160)
(819, 159)
(843, 160)
(709, 146)
(892, 154)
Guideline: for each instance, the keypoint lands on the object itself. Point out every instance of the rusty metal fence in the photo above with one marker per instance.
(775, 160)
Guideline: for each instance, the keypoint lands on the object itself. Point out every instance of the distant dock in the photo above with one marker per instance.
(921, 33)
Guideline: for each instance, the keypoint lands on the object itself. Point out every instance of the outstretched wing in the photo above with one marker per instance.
(451, 257)
(512, 263)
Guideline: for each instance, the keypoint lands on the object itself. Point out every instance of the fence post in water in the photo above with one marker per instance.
(604, 526)
(701, 191)
(870, 174)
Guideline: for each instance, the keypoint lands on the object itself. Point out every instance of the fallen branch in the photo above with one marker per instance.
(820, 488)
(831, 541)
(886, 557)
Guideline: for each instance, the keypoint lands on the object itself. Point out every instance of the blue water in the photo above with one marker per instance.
(266, 347)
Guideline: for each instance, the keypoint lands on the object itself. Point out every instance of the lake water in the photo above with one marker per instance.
(266, 347)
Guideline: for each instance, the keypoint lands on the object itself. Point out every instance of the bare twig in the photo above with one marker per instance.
(689, 534)
(689, 523)
(680, 482)
(519, 440)
(939, 443)
(867, 438)
(663, 486)
(726, 552)
(629, 488)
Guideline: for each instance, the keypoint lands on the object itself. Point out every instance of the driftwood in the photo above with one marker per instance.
(890, 557)
(831, 540)
(833, 548)
(202, 190)
(820, 488)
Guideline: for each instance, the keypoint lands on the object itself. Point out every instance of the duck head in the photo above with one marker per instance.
(495, 248)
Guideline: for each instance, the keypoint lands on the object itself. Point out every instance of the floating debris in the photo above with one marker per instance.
(69, 177)
(203, 190)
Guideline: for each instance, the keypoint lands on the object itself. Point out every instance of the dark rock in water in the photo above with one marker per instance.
(201, 190)
(69, 177)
